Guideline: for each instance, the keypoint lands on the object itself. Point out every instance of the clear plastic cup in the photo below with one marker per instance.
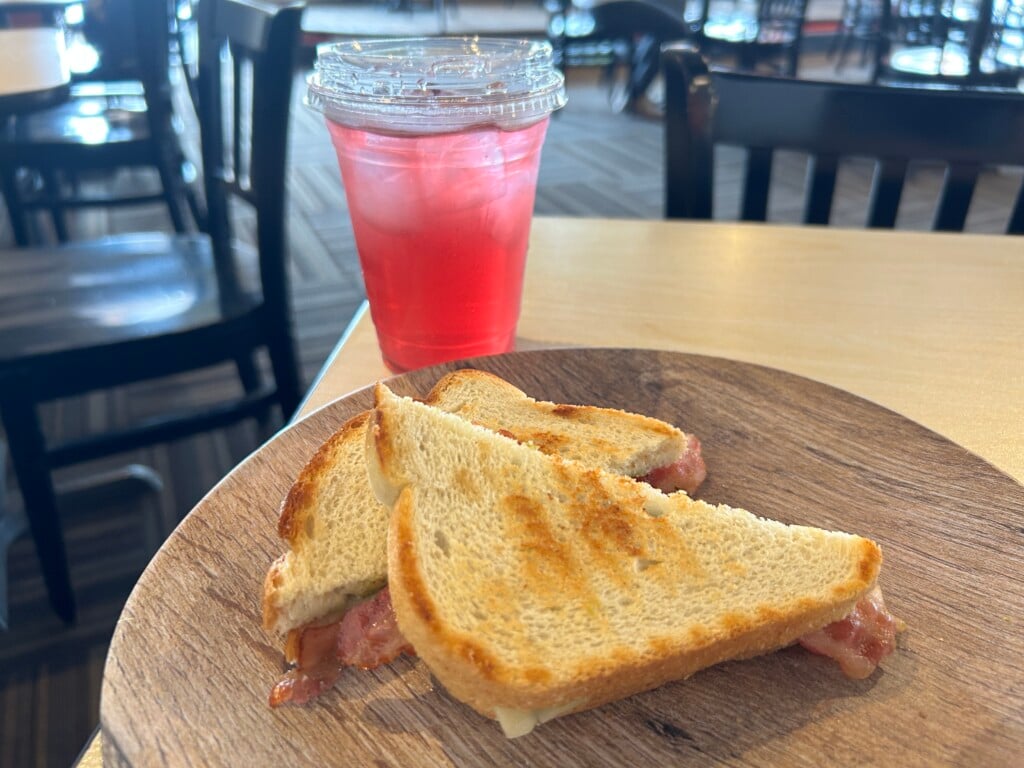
(439, 143)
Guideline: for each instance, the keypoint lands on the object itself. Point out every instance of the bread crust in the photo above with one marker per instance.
(298, 506)
(303, 495)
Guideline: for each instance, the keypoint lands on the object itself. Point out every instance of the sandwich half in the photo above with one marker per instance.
(324, 592)
(533, 586)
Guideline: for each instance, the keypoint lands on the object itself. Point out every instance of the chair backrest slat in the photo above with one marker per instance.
(758, 180)
(955, 199)
(892, 125)
(239, 128)
(1016, 225)
(886, 191)
(822, 171)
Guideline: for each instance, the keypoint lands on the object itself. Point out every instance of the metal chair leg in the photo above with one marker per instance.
(28, 457)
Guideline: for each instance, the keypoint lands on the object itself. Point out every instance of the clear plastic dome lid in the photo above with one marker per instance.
(435, 85)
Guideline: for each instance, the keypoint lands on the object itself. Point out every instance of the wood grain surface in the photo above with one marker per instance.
(190, 668)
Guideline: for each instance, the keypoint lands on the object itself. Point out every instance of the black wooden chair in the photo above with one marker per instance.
(770, 34)
(95, 315)
(951, 43)
(965, 130)
(120, 115)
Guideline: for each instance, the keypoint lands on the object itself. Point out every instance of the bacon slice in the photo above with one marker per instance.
(299, 686)
(685, 473)
(861, 640)
(367, 636)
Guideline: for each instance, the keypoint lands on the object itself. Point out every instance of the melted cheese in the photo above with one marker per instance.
(519, 722)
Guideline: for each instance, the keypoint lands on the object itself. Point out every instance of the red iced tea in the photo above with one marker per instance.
(441, 224)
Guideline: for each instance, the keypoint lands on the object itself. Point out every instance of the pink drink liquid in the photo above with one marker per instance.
(441, 224)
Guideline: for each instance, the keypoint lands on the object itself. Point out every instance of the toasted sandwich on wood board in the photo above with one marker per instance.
(325, 594)
(533, 586)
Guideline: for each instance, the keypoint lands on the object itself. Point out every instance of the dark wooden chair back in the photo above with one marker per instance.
(965, 130)
(245, 134)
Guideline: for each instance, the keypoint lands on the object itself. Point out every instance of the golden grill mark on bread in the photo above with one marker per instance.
(466, 482)
(567, 411)
(547, 442)
(527, 523)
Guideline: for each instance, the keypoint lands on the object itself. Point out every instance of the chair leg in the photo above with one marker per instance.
(52, 188)
(173, 193)
(169, 160)
(60, 224)
(844, 52)
(644, 68)
(28, 457)
(191, 184)
(249, 375)
(285, 365)
(15, 212)
(792, 62)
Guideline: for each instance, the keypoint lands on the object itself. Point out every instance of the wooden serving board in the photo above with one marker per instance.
(189, 669)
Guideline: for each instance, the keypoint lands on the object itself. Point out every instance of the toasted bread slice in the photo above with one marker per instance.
(336, 529)
(620, 442)
(533, 586)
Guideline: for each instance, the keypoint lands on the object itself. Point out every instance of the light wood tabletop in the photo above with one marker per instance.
(928, 325)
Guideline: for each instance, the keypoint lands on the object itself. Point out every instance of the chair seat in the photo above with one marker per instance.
(113, 292)
(95, 114)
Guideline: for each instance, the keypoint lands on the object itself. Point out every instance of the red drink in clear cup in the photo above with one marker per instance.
(441, 225)
(439, 144)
